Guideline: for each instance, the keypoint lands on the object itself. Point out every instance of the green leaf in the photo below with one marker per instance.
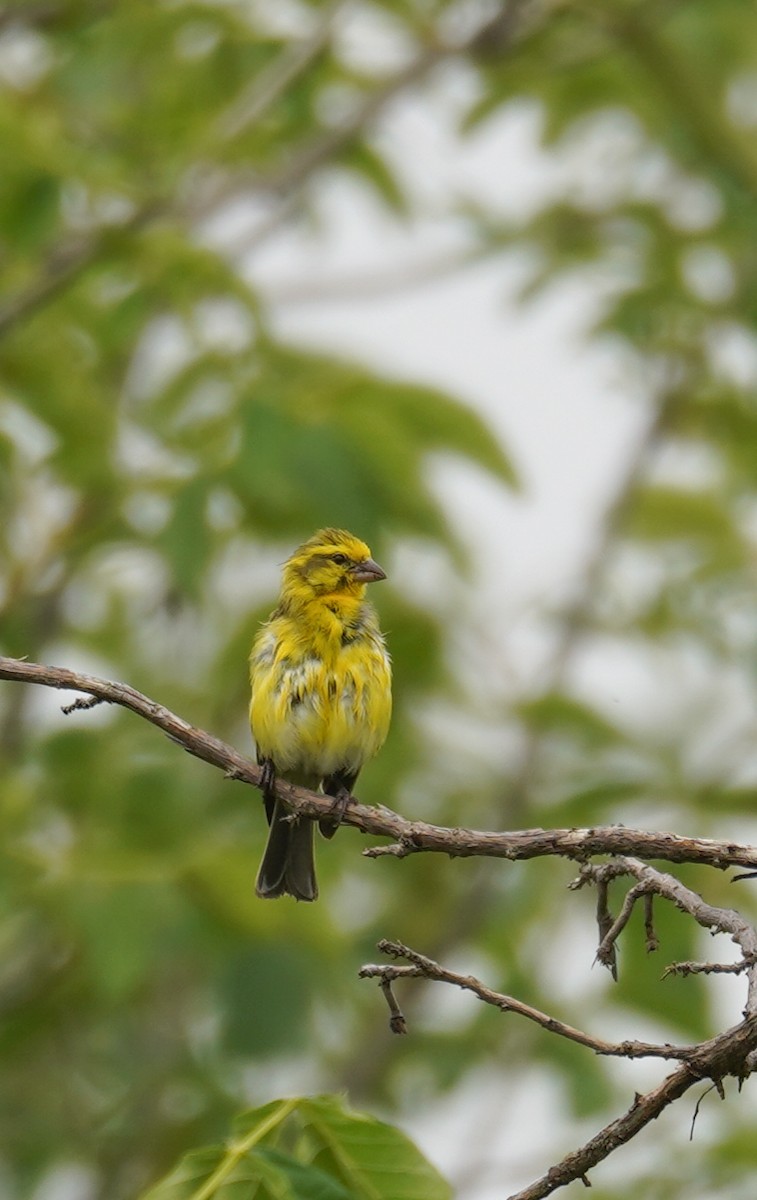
(263, 1174)
(36, 211)
(342, 1155)
(279, 1172)
(212, 1172)
(371, 1158)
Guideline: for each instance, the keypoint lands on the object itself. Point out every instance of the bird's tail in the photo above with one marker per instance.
(288, 866)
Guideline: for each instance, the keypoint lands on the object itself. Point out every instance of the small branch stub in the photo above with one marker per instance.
(397, 1022)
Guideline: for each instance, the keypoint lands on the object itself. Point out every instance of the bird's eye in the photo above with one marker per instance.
(340, 559)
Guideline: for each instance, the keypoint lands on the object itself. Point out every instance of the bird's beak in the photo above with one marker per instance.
(368, 572)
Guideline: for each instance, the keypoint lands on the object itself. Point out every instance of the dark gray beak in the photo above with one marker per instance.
(368, 572)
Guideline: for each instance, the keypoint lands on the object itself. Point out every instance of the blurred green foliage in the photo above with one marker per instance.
(161, 450)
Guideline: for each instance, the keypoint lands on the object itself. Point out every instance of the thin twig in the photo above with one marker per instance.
(717, 920)
(605, 923)
(81, 704)
(397, 1022)
(697, 1106)
(422, 967)
(707, 968)
(652, 942)
(728, 1054)
(606, 948)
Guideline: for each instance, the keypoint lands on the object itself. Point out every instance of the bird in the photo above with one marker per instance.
(321, 704)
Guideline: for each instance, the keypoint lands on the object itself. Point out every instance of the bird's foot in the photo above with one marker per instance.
(267, 776)
(342, 800)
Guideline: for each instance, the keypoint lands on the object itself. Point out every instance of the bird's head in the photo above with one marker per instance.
(330, 563)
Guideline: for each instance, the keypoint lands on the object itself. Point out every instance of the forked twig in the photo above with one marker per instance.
(731, 1053)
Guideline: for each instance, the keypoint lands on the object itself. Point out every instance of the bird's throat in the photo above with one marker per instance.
(331, 618)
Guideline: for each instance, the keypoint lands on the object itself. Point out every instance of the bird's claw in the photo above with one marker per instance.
(267, 776)
(342, 800)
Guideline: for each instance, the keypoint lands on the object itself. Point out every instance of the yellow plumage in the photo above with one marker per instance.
(321, 695)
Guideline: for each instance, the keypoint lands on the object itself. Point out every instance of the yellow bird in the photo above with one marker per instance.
(321, 696)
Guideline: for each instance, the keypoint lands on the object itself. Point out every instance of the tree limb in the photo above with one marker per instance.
(650, 880)
(643, 1110)
(409, 837)
(728, 1054)
(425, 968)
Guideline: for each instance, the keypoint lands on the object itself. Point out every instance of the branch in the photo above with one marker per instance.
(729, 1054)
(707, 968)
(643, 1110)
(409, 837)
(650, 880)
(367, 284)
(426, 968)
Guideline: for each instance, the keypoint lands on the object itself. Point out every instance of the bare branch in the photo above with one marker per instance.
(649, 929)
(605, 923)
(650, 880)
(397, 1022)
(579, 844)
(412, 837)
(643, 1110)
(422, 967)
(707, 968)
(606, 948)
(729, 1054)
